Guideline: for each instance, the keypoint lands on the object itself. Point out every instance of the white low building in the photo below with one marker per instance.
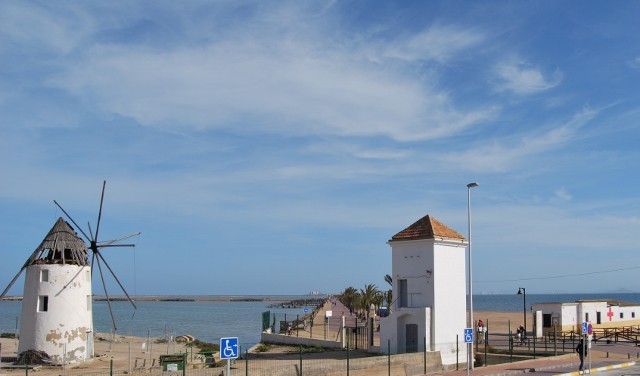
(429, 292)
(601, 314)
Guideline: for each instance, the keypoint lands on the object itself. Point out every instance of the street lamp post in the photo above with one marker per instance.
(522, 291)
(470, 348)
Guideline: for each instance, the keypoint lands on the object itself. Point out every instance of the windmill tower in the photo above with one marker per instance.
(57, 313)
(56, 304)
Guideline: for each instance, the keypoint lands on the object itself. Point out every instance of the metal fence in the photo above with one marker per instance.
(296, 364)
(360, 335)
(492, 349)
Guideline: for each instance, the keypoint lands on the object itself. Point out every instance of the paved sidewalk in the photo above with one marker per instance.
(565, 365)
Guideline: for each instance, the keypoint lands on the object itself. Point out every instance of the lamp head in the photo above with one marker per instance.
(521, 290)
(471, 185)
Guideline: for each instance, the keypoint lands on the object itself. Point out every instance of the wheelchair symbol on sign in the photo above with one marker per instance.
(229, 348)
(468, 335)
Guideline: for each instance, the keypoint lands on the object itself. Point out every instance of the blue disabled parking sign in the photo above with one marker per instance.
(229, 348)
(468, 335)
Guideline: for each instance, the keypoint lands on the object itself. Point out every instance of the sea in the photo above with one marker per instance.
(209, 318)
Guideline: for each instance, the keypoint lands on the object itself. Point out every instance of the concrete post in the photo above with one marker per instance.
(343, 332)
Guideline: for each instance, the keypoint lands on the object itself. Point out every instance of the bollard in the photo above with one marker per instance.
(628, 355)
(607, 354)
(389, 357)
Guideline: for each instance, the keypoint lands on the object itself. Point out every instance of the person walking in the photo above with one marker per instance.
(581, 349)
(481, 331)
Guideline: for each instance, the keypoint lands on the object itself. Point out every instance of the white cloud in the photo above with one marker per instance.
(635, 63)
(35, 29)
(562, 194)
(522, 79)
(503, 155)
(439, 43)
(265, 87)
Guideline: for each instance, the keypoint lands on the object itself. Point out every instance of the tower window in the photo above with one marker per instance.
(43, 303)
(88, 302)
(44, 275)
(403, 293)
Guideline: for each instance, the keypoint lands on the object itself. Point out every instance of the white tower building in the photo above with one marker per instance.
(428, 272)
(56, 307)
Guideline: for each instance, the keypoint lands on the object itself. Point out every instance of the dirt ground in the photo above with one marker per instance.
(131, 353)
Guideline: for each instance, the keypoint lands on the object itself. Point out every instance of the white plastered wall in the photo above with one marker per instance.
(67, 322)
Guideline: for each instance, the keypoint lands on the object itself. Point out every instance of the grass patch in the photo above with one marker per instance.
(263, 347)
(205, 346)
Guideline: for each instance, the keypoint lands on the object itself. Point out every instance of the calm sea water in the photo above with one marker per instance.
(211, 320)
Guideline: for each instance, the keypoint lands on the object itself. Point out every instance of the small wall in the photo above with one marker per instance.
(407, 364)
(299, 341)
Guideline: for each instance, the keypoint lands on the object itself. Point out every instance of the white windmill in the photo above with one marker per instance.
(57, 313)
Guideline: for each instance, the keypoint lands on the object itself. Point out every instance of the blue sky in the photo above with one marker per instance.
(273, 147)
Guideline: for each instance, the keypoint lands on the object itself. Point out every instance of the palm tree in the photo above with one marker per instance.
(388, 296)
(378, 300)
(368, 295)
(349, 298)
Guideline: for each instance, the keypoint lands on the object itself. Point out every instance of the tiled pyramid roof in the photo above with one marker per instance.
(426, 227)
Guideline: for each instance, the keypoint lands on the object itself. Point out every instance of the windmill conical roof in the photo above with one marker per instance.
(426, 227)
(62, 245)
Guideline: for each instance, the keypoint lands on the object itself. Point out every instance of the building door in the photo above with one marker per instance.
(411, 335)
(598, 319)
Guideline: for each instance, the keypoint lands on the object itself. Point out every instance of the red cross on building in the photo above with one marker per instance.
(610, 314)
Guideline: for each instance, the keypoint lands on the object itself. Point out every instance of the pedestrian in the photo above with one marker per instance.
(481, 331)
(581, 349)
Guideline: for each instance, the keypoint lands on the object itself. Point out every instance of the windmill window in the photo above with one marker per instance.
(88, 302)
(44, 275)
(88, 276)
(43, 303)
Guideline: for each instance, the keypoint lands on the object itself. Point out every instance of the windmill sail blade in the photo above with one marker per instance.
(116, 278)
(72, 221)
(116, 245)
(6, 290)
(104, 286)
(90, 232)
(93, 257)
(104, 184)
(109, 242)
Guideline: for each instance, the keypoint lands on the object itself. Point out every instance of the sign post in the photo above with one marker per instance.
(468, 339)
(228, 350)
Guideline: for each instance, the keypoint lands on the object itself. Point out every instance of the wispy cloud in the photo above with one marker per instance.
(501, 155)
(524, 79)
(635, 63)
(268, 87)
(562, 194)
(438, 43)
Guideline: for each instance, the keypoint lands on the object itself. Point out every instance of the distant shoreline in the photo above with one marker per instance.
(199, 298)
